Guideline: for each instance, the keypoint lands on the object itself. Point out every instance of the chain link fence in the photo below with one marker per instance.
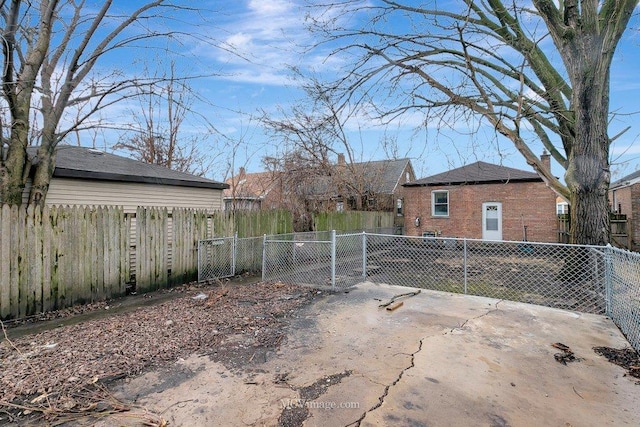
(562, 276)
(589, 279)
(624, 293)
(229, 256)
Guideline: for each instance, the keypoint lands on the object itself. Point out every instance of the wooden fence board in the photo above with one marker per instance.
(5, 261)
(74, 294)
(125, 256)
(180, 226)
(34, 259)
(93, 257)
(57, 262)
(161, 264)
(106, 279)
(140, 255)
(62, 261)
(46, 259)
(21, 263)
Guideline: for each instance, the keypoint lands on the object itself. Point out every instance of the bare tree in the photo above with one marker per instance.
(537, 73)
(50, 48)
(314, 137)
(159, 136)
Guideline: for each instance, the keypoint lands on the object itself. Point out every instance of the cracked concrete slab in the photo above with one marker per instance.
(439, 359)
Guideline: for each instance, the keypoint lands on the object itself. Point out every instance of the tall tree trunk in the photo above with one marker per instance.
(43, 174)
(13, 171)
(588, 175)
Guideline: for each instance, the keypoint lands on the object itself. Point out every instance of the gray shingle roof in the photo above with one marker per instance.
(384, 174)
(378, 176)
(477, 173)
(87, 163)
(625, 180)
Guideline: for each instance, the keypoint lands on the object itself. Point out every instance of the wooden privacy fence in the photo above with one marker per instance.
(619, 224)
(353, 220)
(52, 257)
(56, 257)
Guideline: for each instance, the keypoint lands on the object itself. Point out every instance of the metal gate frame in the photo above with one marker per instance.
(216, 258)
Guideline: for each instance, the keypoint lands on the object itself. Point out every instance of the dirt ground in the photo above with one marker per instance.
(272, 354)
(63, 371)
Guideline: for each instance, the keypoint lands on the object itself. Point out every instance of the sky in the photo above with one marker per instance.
(245, 56)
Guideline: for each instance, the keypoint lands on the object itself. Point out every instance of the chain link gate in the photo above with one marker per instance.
(216, 258)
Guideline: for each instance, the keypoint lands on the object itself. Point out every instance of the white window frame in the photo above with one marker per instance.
(562, 208)
(433, 203)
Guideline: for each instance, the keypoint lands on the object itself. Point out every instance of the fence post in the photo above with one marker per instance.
(364, 255)
(293, 249)
(608, 278)
(234, 248)
(199, 262)
(464, 264)
(333, 259)
(264, 255)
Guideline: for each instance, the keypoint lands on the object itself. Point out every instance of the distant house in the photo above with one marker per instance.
(253, 191)
(624, 196)
(375, 185)
(84, 176)
(482, 201)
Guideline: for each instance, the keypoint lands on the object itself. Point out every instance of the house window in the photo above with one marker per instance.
(562, 208)
(440, 203)
(340, 206)
(492, 218)
(399, 207)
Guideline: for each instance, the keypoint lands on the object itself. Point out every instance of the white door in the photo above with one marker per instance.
(492, 221)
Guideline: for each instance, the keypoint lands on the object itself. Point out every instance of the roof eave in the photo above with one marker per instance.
(452, 183)
(106, 176)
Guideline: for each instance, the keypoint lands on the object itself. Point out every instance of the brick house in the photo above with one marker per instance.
(254, 191)
(482, 201)
(624, 196)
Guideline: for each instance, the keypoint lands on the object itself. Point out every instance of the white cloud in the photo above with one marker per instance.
(262, 42)
(270, 7)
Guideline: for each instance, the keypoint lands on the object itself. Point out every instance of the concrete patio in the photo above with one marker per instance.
(439, 360)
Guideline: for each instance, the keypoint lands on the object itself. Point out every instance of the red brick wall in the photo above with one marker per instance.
(628, 200)
(621, 198)
(532, 202)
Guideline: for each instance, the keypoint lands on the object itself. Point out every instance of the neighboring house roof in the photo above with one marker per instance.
(88, 163)
(626, 181)
(383, 176)
(379, 177)
(477, 173)
(250, 186)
